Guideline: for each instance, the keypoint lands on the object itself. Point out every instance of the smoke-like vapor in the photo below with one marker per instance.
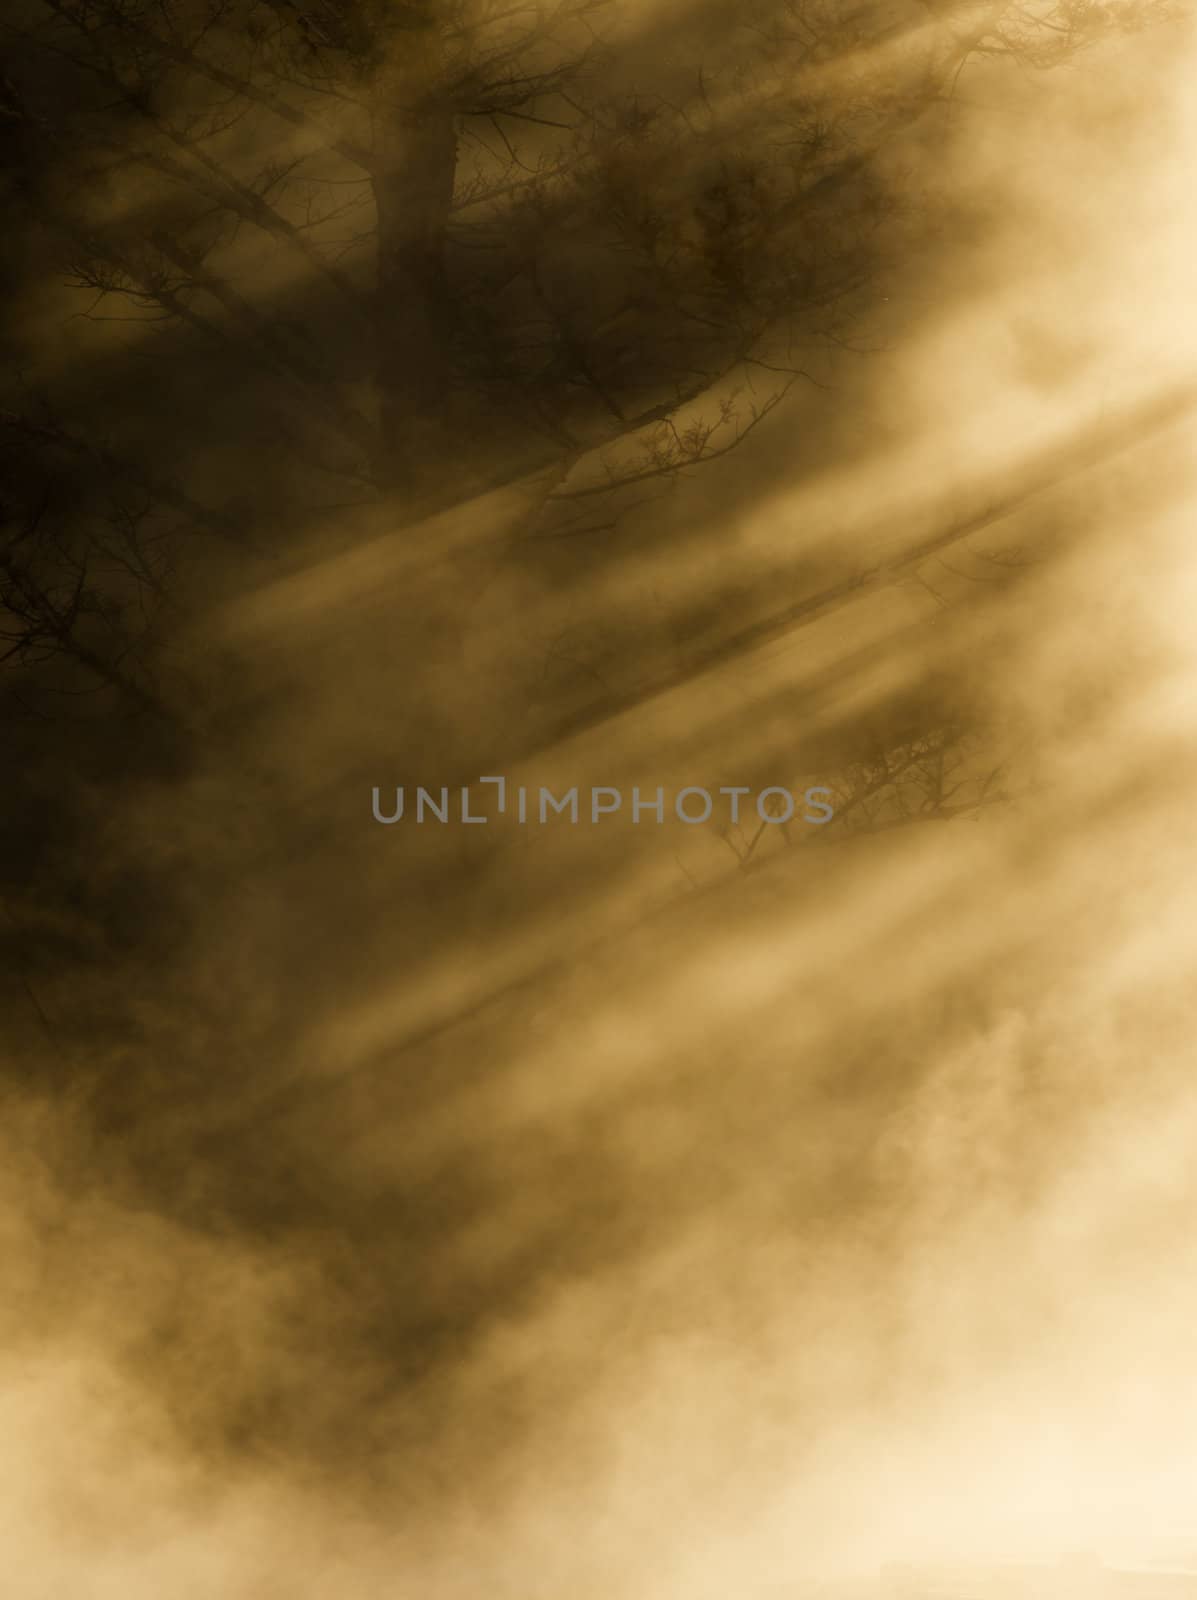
(622, 1210)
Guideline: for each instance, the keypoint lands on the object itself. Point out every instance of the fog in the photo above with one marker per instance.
(584, 1209)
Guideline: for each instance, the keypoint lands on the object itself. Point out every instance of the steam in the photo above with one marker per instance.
(579, 1214)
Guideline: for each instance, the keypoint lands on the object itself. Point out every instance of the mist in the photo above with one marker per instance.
(663, 1209)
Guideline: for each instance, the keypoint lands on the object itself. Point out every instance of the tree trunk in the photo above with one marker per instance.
(415, 158)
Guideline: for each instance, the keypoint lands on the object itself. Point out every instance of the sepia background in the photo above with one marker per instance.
(622, 394)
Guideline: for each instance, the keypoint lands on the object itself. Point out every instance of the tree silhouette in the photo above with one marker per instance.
(417, 250)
